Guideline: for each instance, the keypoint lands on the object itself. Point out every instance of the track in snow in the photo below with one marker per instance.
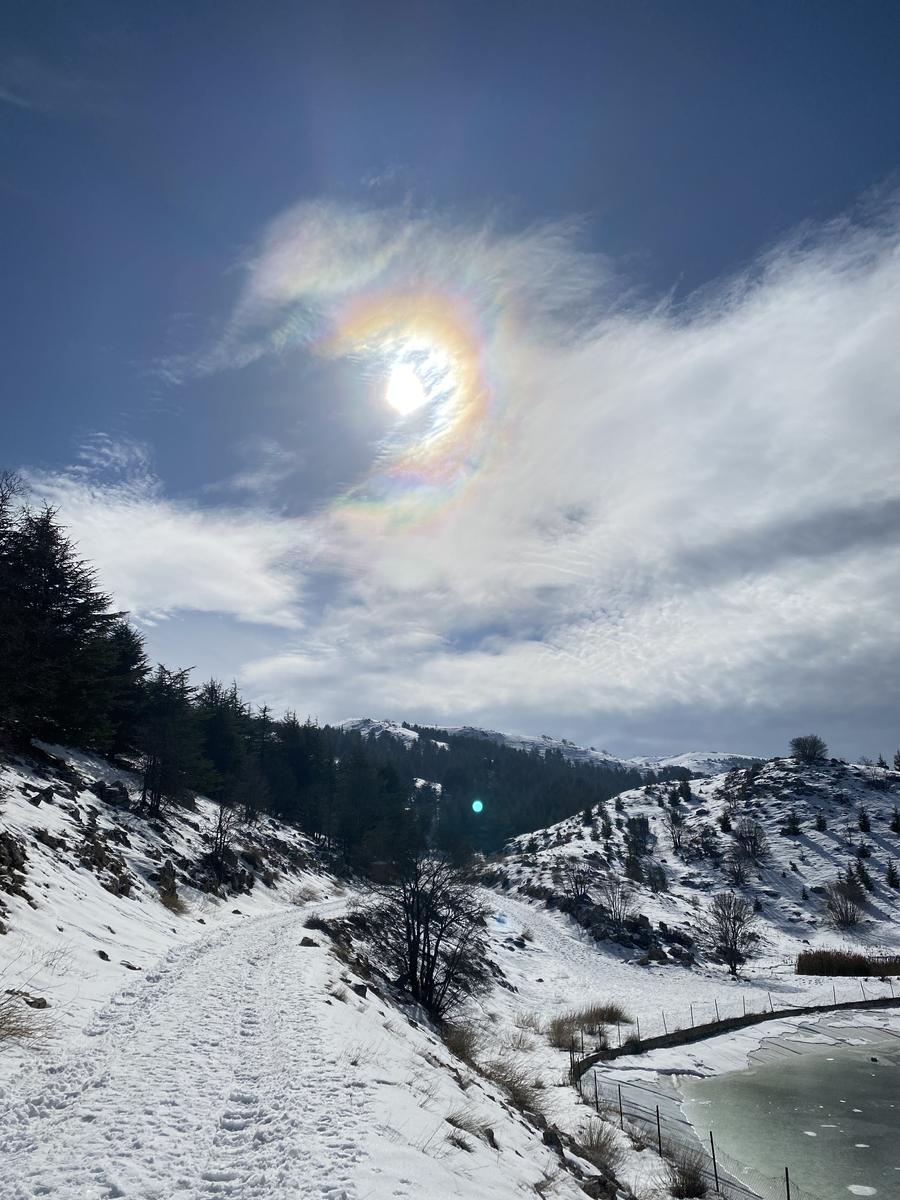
(214, 1077)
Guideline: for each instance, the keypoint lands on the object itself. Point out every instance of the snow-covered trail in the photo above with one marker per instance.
(214, 1076)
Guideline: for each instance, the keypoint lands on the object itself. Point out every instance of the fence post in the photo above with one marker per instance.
(659, 1134)
(787, 1184)
(665, 1026)
(771, 1005)
(692, 1016)
(638, 1023)
(712, 1146)
(621, 1114)
(834, 993)
(596, 1095)
(862, 989)
(744, 998)
(891, 986)
(718, 1018)
(619, 1031)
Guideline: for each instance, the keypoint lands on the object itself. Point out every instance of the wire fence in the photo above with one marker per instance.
(705, 1015)
(635, 1108)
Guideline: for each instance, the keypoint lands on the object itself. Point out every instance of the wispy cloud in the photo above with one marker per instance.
(161, 557)
(687, 509)
(32, 83)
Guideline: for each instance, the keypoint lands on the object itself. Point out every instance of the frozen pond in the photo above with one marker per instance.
(829, 1115)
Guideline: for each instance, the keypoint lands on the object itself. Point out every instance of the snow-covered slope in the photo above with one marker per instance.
(780, 796)
(697, 762)
(370, 727)
(83, 880)
(220, 1046)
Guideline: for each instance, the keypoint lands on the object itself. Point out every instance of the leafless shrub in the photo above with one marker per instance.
(809, 748)
(685, 1176)
(737, 867)
(574, 876)
(617, 898)
(750, 836)
(729, 929)
(224, 832)
(527, 933)
(842, 903)
(599, 1144)
(427, 927)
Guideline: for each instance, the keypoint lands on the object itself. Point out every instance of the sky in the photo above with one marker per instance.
(518, 364)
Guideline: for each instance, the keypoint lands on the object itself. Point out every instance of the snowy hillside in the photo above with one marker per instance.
(810, 817)
(697, 762)
(213, 1040)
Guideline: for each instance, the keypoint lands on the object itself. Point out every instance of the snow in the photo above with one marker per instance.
(369, 727)
(236, 1062)
(698, 762)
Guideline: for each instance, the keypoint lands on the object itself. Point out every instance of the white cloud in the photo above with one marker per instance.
(159, 557)
(665, 509)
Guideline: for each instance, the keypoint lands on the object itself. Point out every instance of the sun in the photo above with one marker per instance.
(405, 391)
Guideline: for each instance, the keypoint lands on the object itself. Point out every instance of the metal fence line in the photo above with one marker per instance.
(725, 1175)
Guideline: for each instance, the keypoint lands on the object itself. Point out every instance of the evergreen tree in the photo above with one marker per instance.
(865, 824)
(169, 742)
(891, 877)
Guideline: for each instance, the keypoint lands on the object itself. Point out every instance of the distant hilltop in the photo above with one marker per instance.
(695, 762)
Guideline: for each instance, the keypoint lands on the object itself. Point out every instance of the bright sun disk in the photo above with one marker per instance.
(404, 392)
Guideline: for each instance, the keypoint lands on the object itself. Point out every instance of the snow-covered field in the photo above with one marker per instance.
(208, 1052)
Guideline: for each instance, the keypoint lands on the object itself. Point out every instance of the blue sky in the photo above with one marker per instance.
(643, 258)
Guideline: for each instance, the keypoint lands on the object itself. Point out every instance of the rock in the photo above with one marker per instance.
(307, 941)
(551, 1138)
(360, 989)
(102, 954)
(42, 1002)
(129, 965)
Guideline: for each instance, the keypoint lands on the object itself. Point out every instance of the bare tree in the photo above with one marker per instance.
(729, 929)
(674, 826)
(808, 748)
(426, 926)
(843, 903)
(223, 835)
(575, 876)
(752, 840)
(617, 898)
(737, 867)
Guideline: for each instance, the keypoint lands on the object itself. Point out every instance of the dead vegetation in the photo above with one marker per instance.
(593, 1020)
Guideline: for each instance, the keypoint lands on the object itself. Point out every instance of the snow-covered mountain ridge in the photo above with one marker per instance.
(817, 820)
(696, 762)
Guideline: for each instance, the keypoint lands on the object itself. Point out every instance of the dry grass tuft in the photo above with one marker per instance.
(685, 1176)
(173, 902)
(599, 1144)
(463, 1039)
(512, 1078)
(18, 1021)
